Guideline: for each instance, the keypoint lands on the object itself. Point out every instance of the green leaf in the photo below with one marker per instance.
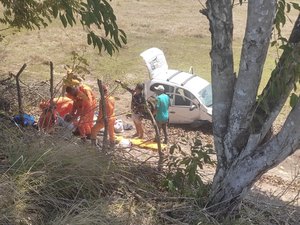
(171, 185)
(293, 100)
(63, 20)
(273, 43)
(99, 43)
(295, 5)
(89, 39)
(286, 48)
(283, 39)
(281, 5)
(55, 11)
(288, 7)
(109, 47)
(69, 19)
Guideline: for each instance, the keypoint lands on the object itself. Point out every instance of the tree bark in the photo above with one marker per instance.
(282, 79)
(242, 156)
(219, 14)
(243, 172)
(255, 47)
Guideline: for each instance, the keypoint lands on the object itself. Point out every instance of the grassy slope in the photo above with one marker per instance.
(176, 27)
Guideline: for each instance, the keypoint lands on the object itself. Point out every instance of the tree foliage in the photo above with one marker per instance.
(96, 16)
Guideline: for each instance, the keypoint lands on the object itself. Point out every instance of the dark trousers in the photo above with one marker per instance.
(163, 126)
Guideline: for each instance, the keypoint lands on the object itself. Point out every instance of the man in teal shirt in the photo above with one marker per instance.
(162, 110)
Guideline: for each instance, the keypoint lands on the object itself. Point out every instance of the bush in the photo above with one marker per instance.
(183, 173)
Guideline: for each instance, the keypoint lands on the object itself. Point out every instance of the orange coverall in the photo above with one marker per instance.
(63, 106)
(110, 113)
(84, 107)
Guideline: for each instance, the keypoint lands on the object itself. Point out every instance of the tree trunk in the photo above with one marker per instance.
(242, 156)
(219, 14)
(243, 173)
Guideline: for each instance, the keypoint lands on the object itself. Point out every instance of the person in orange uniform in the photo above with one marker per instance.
(84, 104)
(110, 114)
(61, 106)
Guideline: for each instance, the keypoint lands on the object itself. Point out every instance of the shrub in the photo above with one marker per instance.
(183, 173)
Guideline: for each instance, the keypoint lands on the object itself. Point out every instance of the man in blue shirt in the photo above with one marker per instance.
(162, 110)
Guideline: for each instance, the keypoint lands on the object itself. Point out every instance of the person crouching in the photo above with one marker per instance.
(83, 108)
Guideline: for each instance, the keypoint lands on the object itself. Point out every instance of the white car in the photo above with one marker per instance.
(190, 95)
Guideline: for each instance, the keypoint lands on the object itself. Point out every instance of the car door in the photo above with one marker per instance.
(185, 108)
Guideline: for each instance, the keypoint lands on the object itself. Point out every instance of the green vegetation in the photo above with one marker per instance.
(96, 17)
(183, 173)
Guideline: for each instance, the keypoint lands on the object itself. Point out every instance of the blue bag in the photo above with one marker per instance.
(24, 119)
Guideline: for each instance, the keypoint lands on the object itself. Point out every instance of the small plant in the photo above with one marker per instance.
(183, 174)
(79, 64)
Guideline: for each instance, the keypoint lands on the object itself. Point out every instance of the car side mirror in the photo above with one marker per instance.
(193, 107)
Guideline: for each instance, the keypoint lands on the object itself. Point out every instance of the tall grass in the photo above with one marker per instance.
(55, 181)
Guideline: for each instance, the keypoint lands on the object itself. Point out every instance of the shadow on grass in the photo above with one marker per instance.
(205, 128)
(264, 208)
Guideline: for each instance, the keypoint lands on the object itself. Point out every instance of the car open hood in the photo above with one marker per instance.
(155, 61)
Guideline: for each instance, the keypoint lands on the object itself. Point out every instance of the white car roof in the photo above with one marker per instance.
(189, 81)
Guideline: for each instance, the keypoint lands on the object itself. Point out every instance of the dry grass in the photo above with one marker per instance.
(176, 27)
(48, 180)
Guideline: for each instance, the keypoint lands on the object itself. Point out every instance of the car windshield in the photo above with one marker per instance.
(205, 96)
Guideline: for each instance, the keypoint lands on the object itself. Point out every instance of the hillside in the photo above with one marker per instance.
(45, 179)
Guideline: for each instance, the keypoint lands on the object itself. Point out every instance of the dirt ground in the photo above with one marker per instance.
(281, 182)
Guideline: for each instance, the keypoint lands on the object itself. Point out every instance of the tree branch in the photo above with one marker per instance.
(21, 110)
(279, 86)
(254, 52)
(223, 77)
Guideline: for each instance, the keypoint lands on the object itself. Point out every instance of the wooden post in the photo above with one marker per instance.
(51, 84)
(157, 135)
(50, 110)
(21, 110)
(103, 108)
